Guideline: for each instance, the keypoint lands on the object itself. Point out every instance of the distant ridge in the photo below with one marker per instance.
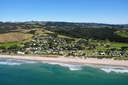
(61, 23)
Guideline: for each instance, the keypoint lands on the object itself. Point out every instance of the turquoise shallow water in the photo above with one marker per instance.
(21, 72)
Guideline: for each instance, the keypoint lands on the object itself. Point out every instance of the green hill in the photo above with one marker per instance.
(122, 33)
(14, 37)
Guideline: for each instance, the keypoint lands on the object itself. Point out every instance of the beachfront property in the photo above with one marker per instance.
(51, 45)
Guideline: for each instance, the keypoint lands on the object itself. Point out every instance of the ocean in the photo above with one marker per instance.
(23, 72)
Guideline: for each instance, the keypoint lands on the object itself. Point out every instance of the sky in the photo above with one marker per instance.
(89, 11)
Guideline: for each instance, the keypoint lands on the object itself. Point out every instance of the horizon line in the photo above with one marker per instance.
(64, 21)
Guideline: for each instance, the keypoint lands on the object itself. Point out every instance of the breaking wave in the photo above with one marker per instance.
(14, 62)
(109, 69)
(9, 63)
(72, 67)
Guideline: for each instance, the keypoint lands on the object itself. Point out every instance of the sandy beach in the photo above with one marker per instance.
(71, 60)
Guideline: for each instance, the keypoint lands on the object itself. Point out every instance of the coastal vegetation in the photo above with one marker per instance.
(52, 39)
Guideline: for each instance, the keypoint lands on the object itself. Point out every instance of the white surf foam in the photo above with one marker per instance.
(115, 69)
(27, 62)
(109, 69)
(72, 67)
(15, 62)
(9, 63)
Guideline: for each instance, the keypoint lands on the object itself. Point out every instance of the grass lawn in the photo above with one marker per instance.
(7, 45)
(122, 33)
(118, 45)
(62, 36)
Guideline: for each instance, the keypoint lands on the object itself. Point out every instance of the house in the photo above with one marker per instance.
(22, 53)
(102, 53)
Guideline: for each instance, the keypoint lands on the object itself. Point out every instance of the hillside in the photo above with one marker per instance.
(114, 35)
(16, 32)
(97, 31)
(14, 36)
(122, 33)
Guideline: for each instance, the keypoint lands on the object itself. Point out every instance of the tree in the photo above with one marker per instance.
(14, 48)
(32, 32)
(3, 48)
(26, 45)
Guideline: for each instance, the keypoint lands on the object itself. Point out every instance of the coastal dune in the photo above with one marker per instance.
(93, 61)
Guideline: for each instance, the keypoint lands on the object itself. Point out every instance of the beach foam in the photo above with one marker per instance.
(72, 67)
(109, 69)
(15, 62)
(115, 69)
(27, 62)
(9, 63)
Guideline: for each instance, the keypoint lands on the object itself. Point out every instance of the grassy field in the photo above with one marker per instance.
(118, 45)
(122, 33)
(62, 36)
(14, 37)
(7, 45)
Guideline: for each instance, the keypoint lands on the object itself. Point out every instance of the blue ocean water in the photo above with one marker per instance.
(22, 72)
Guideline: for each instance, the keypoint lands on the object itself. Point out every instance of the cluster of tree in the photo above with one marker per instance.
(77, 30)
(93, 33)
(87, 25)
(8, 26)
(13, 48)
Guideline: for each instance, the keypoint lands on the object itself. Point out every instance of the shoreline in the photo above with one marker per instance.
(60, 59)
